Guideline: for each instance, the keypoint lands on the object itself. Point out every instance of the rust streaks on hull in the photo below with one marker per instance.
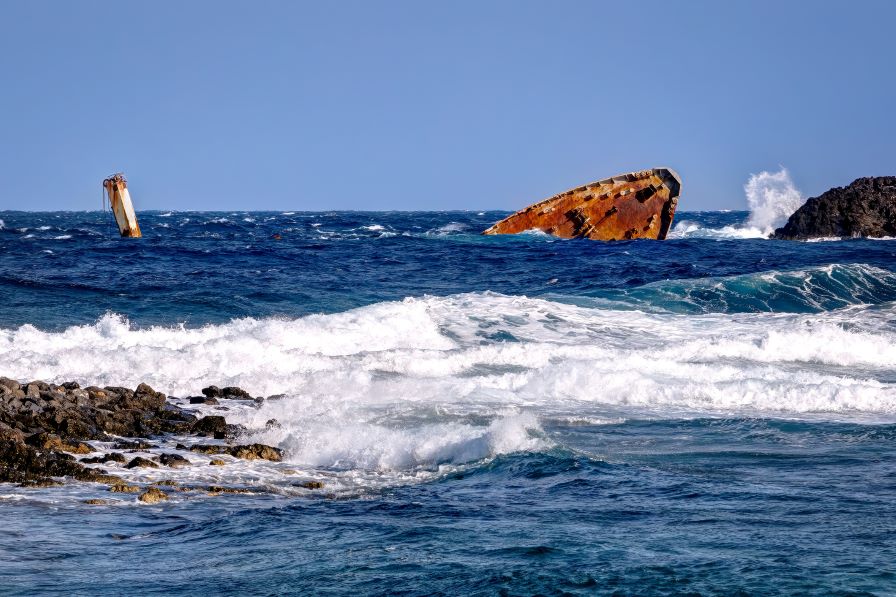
(629, 206)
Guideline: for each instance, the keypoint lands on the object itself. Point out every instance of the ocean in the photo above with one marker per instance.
(714, 414)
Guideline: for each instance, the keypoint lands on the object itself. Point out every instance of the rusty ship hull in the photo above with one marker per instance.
(624, 207)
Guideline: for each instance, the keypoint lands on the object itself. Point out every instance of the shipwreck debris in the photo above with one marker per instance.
(628, 206)
(116, 187)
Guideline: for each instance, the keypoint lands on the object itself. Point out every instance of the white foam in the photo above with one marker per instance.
(408, 388)
(771, 197)
(449, 228)
(2, 224)
(690, 229)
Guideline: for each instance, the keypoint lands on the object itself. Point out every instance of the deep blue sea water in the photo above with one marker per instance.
(714, 414)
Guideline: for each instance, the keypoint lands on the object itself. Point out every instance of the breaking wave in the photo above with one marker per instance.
(407, 369)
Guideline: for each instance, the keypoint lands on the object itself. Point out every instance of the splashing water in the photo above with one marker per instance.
(772, 197)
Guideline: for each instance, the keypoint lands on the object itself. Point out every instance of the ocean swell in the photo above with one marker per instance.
(807, 290)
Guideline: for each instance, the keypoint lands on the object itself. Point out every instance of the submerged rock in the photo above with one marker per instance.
(212, 425)
(123, 488)
(246, 452)
(137, 445)
(865, 208)
(203, 400)
(37, 483)
(257, 452)
(141, 462)
(153, 496)
(174, 460)
(111, 457)
(231, 392)
(217, 490)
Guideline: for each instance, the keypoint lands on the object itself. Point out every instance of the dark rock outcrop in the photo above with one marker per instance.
(203, 400)
(42, 425)
(153, 496)
(174, 460)
(231, 392)
(247, 452)
(867, 207)
(212, 425)
(141, 462)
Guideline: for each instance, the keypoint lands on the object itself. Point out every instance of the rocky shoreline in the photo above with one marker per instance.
(866, 208)
(49, 431)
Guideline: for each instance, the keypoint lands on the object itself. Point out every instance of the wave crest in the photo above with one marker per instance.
(481, 353)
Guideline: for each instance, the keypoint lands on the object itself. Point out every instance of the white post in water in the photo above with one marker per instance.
(120, 201)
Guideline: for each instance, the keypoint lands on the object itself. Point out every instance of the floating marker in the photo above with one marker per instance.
(120, 201)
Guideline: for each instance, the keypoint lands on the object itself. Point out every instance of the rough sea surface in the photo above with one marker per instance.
(710, 415)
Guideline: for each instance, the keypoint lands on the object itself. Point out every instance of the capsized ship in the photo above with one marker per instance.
(120, 201)
(628, 206)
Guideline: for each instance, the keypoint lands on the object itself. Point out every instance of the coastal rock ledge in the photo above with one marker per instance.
(44, 427)
(865, 208)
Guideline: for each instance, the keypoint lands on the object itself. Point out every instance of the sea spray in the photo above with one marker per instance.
(772, 198)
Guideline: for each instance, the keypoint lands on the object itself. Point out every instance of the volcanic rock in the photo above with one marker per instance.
(20, 462)
(235, 393)
(96, 502)
(153, 496)
(111, 457)
(135, 445)
(174, 460)
(141, 462)
(47, 441)
(203, 400)
(257, 452)
(865, 208)
(123, 488)
(246, 452)
(213, 425)
(212, 392)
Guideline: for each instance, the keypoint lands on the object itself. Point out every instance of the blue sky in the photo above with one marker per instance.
(435, 105)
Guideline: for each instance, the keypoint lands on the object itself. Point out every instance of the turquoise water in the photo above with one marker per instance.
(713, 415)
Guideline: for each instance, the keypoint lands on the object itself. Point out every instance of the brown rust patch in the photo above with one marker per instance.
(634, 205)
